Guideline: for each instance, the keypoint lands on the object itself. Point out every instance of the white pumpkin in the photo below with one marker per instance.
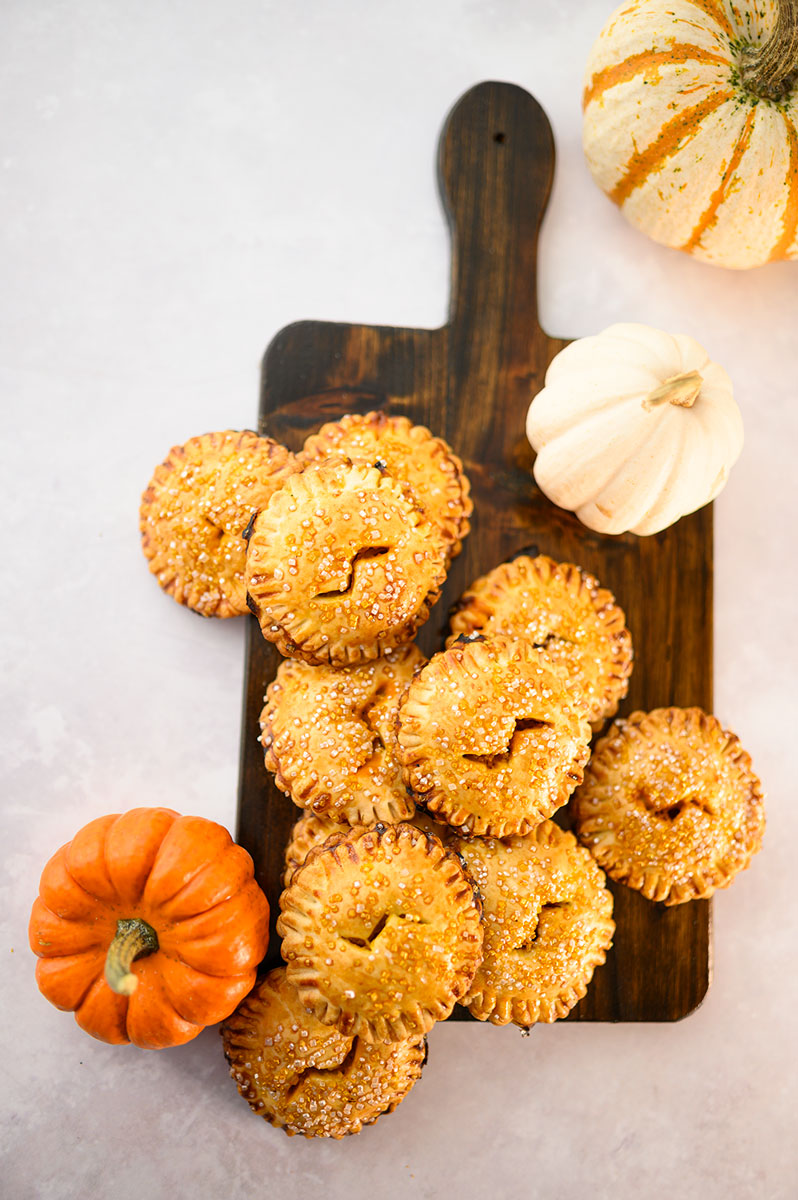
(633, 429)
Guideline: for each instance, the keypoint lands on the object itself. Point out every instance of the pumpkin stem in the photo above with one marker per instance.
(133, 939)
(679, 389)
(771, 72)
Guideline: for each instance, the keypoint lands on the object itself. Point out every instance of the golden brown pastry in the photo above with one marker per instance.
(490, 738)
(195, 510)
(563, 611)
(306, 1077)
(548, 924)
(342, 564)
(381, 932)
(310, 832)
(410, 453)
(329, 736)
(670, 805)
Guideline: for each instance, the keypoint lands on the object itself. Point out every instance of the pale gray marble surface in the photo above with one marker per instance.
(178, 181)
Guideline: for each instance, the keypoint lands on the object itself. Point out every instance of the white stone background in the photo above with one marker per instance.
(178, 180)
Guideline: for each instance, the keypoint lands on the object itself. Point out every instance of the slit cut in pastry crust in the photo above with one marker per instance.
(670, 805)
(490, 737)
(195, 510)
(409, 453)
(307, 1078)
(382, 932)
(548, 924)
(343, 564)
(329, 737)
(564, 612)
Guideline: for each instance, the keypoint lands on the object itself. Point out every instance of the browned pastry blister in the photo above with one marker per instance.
(491, 738)
(410, 453)
(382, 932)
(328, 735)
(307, 1078)
(343, 564)
(670, 804)
(196, 508)
(548, 924)
(563, 611)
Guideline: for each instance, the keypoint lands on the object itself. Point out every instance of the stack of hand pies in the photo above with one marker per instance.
(425, 869)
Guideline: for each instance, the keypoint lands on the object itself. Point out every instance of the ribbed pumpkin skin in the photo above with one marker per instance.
(671, 135)
(186, 878)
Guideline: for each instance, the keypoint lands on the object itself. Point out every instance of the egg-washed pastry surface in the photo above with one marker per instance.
(490, 737)
(195, 510)
(328, 735)
(382, 932)
(310, 832)
(548, 924)
(563, 611)
(670, 804)
(409, 453)
(343, 564)
(308, 1078)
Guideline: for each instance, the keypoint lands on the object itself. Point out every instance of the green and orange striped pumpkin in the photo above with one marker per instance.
(691, 125)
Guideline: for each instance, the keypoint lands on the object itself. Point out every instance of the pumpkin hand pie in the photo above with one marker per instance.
(490, 737)
(307, 1078)
(343, 564)
(548, 924)
(382, 932)
(563, 611)
(670, 805)
(195, 510)
(409, 453)
(328, 735)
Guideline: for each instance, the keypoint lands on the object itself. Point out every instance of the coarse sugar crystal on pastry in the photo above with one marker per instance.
(410, 453)
(307, 1078)
(548, 924)
(382, 932)
(564, 611)
(310, 832)
(328, 734)
(491, 738)
(670, 804)
(195, 510)
(343, 564)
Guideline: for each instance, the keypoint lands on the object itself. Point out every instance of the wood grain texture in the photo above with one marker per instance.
(471, 382)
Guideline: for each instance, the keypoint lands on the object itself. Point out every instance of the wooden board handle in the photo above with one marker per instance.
(495, 167)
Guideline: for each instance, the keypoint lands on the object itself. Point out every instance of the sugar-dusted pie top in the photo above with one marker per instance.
(670, 804)
(196, 508)
(307, 1077)
(410, 453)
(381, 932)
(563, 611)
(548, 924)
(343, 564)
(328, 734)
(490, 737)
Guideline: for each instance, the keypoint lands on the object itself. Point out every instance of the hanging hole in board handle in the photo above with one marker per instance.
(499, 137)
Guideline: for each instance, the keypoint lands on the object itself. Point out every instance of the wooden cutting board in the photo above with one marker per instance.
(471, 382)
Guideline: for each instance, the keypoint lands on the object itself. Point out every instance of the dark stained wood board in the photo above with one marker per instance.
(471, 382)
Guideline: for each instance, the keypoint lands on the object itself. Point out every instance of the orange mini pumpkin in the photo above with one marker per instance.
(148, 926)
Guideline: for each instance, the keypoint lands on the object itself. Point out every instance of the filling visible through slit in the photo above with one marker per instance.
(672, 811)
(503, 756)
(365, 942)
(362, 555)
(342, 1068)
(530, 941)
